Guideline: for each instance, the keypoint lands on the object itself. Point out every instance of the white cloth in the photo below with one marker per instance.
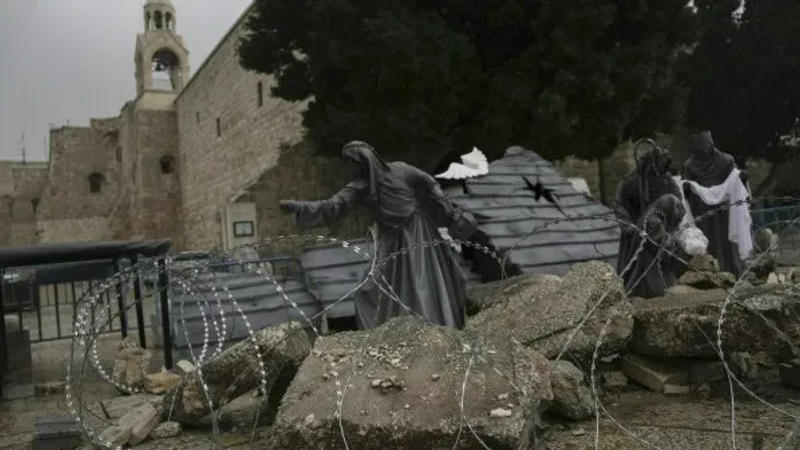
(732, 191)
(691, 239)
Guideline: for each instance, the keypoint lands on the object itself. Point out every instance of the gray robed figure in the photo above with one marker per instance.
(408, 207)
(649, 199)
(710, 167)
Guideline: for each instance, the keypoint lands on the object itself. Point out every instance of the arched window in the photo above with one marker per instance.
(168, 21)
(35, 204)
(166, 70)
(147, 20)
(96, 182)
(157, 19)
(167, 164)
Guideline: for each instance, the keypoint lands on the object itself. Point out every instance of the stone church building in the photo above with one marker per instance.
(183, 160)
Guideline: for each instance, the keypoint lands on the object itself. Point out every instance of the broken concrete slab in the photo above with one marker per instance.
(545, 312)
(160, 383)
(652, 374)
(140, 421)
(429, 368)
(758, 319)
(235, 371)
(572, 398)
(116, 407)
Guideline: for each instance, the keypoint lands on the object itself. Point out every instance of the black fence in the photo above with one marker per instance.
(42, 287)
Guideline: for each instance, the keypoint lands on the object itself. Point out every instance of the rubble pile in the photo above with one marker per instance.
(517, 375)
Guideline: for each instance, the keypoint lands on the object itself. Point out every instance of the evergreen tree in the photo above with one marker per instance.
(425, 80)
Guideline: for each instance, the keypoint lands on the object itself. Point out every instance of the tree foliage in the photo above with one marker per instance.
(424, 80)
(743, 75)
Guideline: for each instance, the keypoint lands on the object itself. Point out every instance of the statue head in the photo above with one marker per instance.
(363, 159)
(652, 159)
(702, 144)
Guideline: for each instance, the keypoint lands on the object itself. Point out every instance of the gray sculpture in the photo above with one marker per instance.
(649, 199)
(408, 206)
(710, 167)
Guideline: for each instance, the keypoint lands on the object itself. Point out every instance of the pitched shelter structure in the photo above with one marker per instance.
(542, 236)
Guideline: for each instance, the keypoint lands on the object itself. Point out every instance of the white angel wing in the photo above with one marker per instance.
(474, 164)
(456, 171)
(476, 160)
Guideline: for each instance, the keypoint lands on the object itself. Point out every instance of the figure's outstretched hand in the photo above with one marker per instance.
(288, 206)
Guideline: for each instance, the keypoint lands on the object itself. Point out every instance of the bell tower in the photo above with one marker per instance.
(162, 61)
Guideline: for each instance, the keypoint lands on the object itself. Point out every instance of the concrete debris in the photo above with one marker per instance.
(236, 371)
(183, 368)
(651, 374)
(707, 280)
(140, 421)
(560, 305)
(160, 383)
(115, 435)
(166, 430)
(131, 364)
(572, 398)
(675, 389)
(117, 407)
(614, 379)
(378, 392)
(500, 412)
(757, 319)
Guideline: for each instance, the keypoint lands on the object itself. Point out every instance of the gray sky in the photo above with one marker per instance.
(73, 59)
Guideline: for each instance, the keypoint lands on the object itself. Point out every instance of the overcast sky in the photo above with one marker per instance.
(70, 60)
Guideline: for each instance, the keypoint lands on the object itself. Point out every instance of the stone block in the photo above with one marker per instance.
(117, 407)
(183, 368)
(140, 421)
(652, 374)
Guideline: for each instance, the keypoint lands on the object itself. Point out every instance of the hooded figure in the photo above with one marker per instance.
(710, 167)
(651, 200)
(408, 207)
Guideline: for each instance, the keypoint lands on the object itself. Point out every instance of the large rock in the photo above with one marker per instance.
(131, 363)
(402, 387)
(707, 280)
(761, 319)
(544, 312)
(235, 371)
(572, 398)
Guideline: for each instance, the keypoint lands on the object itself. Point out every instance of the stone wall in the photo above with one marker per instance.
(150, 139)
(20, 185)
(227, 139)
(76, 153)
(75, 229)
